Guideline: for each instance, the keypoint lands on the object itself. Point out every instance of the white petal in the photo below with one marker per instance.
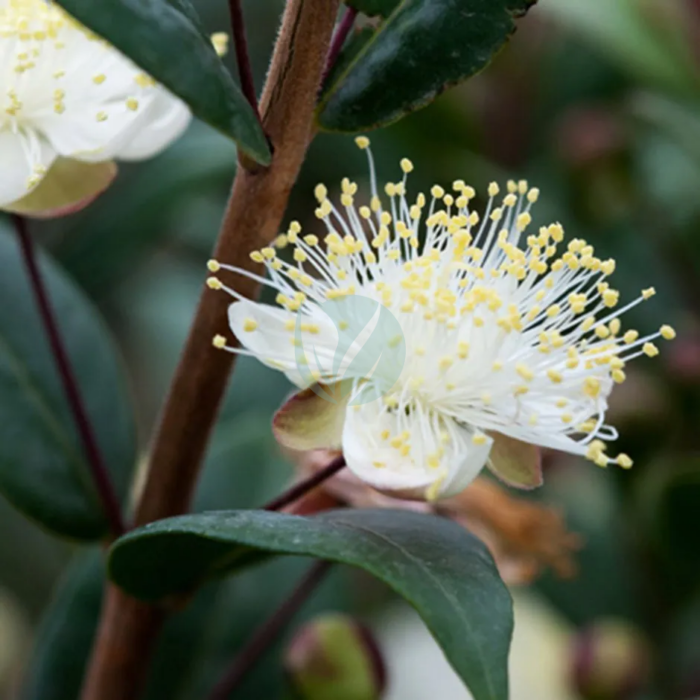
(24, 159)
(271, 341)
(168, 119)
(373, 459)
(100, 120)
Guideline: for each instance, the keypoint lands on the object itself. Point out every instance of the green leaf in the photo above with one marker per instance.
(441, 569)
(66, 634)
(43, 470)
(422, 48)
(160, 37)
(374, 7)
(67, 631)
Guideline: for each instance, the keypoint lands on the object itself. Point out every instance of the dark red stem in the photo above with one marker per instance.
(101, 477)
(338, 40)
(303, 487)
(268, 632)
(240, 42)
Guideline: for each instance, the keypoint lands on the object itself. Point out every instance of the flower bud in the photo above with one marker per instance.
(611, 661)
(335, 657)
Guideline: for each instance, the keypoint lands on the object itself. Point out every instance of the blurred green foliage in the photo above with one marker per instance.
(598, 104)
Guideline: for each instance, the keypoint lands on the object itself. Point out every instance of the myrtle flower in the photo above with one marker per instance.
(72, 103)
(511, 341)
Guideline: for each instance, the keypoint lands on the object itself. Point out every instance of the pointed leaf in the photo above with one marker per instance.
(160, 37)
(43, 469)
(68, 187)
(312, 418)
(515, 463)
(441, 569)
(423, 47)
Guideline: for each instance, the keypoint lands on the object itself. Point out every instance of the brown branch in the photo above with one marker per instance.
(339, 37)
(97, 466)
(240, 44)
(266, 635)
(256, 206)
(295, 492)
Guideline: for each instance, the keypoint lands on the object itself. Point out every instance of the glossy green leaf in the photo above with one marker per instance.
(43, 470)
(160, 37)
(422, 48)
(374, 7)
(66, 633)
(442, 570)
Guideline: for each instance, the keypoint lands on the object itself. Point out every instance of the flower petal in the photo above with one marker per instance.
(68, 187)
(269, 333)
(168, 119)
(313, 418)
(24, 156)
(515, 463)
(442, 458)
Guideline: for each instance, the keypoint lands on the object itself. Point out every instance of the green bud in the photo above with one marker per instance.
(335, 658)
(611, 661)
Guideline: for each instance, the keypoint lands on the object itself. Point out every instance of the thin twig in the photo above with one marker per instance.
(240, 43)
(339, 37)
(100, 475)
(268, 632)
(300, 489)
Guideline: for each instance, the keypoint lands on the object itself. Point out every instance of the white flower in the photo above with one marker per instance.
(72, 101)
(507, 348)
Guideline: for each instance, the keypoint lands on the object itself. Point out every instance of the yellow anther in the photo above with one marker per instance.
(219, 41)
(101, 116)
(445, 362)
(591, 387)
(630, 336)
(648, 293)
(463, 350)
(406, 165)
(524, 371)
(300, 255)
(533, 195)
(554, 376)
(479, 439)
(362, 142)
(650, 350)
(320, 192)
(523, 221)
(219, 342)
(510, 200)
(268, 253)
(624, 461)
(214, 283)
(497, 365)
(494, 189)
(610, 297)
(667, 332)
(618, 376)
(566, 418)
(249, 324)
(608, 266)
(213, 266)
(99, 78)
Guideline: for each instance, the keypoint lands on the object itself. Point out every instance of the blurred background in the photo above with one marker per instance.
(597, 103)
